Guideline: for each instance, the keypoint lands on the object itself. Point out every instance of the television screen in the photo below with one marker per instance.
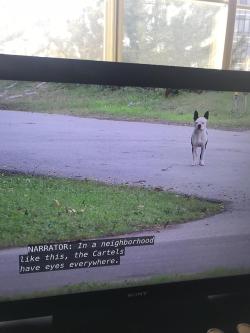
(105, 187)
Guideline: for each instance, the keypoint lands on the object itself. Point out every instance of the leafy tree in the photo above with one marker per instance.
(173, 32)
(240, 52)
(84, 39)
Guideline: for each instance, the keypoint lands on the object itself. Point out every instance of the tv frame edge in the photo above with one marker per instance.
(42, 69)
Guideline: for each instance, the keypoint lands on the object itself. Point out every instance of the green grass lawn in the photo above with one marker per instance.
(124, 103)
(43, 209)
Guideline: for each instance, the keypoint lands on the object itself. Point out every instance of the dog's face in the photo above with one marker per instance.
(200, 123)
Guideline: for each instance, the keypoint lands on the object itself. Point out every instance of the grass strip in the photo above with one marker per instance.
(37, 209)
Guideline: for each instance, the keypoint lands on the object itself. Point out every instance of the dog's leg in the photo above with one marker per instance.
(194, 152)
(202, 163)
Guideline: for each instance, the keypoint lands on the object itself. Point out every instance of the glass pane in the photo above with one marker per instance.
(57, 28)
(241, 42)
(174, 32)
(243, 2)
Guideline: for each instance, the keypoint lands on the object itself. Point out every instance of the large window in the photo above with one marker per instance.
(241, 42)
(181, 32)
(53, 28)
(196, 33)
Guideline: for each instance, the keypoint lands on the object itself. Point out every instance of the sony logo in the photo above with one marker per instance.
(138, 294)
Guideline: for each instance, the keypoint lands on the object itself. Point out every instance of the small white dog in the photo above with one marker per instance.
(199, 137)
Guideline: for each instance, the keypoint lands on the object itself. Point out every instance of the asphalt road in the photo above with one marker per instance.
(136, 153)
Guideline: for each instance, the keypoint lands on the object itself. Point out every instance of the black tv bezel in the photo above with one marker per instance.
(29, 68)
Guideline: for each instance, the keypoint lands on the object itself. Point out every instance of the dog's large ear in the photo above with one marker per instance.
(196, 116)
(206, 115)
